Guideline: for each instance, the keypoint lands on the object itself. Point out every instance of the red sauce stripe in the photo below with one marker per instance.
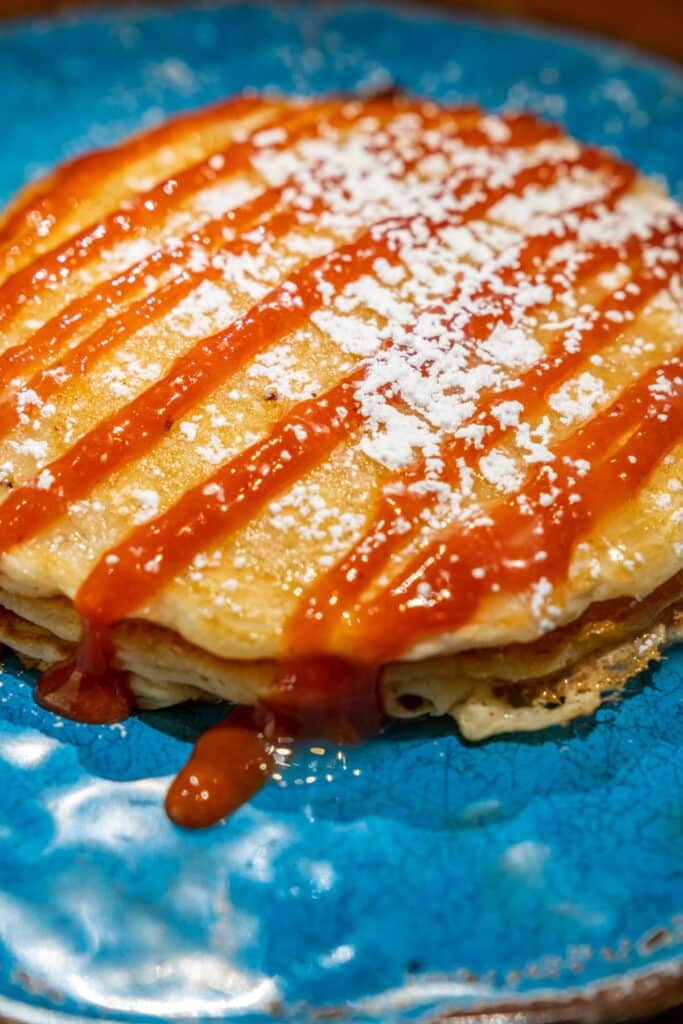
(147, 209)
(156, 551)
(645, 430)
(123, 287)
(214, 513)
(138, 426)
(321, 696)
(54, 335)
(399, 514)
(58, 194)
(80, 359)
(56, 332)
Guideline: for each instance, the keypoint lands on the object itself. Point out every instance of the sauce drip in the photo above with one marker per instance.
(324, 698)
(230, 763)
(318, 694)
(87, 688)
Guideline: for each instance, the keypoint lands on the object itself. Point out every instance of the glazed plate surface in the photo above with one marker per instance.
(412, 877)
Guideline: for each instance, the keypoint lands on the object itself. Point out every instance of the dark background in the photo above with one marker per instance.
(655, 25)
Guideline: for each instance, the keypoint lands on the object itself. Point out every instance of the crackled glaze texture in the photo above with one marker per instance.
(413, 874)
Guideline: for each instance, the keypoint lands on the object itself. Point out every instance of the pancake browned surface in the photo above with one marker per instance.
(373, 379)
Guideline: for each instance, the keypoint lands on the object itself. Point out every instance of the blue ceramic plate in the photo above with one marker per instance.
(410, 877)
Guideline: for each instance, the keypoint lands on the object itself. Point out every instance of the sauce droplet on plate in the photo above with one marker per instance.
(229, 765)
(317, 698)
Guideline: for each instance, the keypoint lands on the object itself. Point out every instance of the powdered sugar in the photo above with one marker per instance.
(443, 327)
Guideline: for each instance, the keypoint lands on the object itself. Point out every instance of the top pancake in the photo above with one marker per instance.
(466, 253)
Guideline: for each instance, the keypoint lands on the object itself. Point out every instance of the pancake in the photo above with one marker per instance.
(341, 408)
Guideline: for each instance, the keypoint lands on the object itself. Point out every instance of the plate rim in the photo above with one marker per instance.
(620, 997)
